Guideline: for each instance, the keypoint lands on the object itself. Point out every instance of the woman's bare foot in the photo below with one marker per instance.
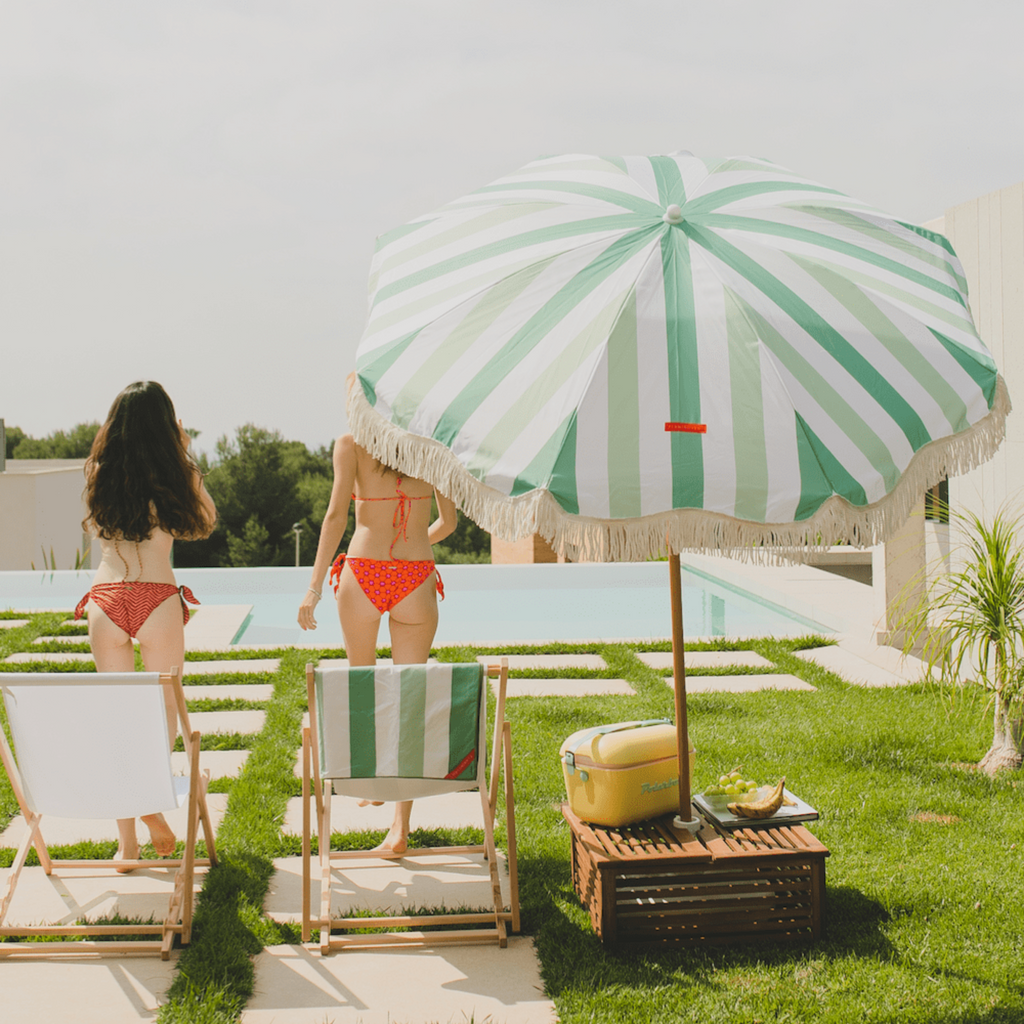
(370, 803)
(394, 845)
(126, 853)
(396, 842)
(160, 834)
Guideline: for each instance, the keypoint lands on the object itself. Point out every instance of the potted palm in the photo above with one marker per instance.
(970, 627)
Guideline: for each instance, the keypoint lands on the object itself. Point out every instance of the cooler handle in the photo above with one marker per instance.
(602, 730)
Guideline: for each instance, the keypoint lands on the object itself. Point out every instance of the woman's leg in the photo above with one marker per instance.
(360, 621)
(412, 624)
(112, 651)
(162, 645)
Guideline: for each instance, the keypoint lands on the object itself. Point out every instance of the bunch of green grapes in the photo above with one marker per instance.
(732, 785)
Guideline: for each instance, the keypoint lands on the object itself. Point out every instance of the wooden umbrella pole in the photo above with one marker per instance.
(686, 819)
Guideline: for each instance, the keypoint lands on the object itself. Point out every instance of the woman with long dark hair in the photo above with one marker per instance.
(143, 491)
(389, 568)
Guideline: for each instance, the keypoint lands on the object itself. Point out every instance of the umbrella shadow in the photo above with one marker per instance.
(853, 927)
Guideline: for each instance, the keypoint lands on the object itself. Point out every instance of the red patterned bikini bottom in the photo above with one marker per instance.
(386, 582)
(128, 605)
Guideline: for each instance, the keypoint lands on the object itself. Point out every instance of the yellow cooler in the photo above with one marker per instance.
(621, 773)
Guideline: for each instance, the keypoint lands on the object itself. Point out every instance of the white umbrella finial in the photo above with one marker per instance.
(673, 214)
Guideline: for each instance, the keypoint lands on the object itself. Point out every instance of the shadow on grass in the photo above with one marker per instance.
(853, 925)
(577, 958)
(226, 935)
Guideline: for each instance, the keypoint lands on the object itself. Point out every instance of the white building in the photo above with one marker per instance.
(988, 236)
(41, 513)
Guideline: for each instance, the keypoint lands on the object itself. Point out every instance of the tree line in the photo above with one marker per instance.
(263, 486)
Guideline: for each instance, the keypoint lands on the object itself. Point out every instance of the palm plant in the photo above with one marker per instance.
(972, 623)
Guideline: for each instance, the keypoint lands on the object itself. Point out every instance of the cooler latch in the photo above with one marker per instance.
(570, 763)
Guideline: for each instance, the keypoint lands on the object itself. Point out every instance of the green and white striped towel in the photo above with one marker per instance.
(400, 721)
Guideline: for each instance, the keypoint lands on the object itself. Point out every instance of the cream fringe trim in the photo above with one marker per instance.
(581, 538)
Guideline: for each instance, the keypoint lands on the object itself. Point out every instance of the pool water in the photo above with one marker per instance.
(484, 604)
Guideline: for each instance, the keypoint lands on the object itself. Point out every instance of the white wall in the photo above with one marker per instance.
(41, 507)
(988, 236)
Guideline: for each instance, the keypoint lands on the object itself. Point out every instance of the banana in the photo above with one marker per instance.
(763, 808)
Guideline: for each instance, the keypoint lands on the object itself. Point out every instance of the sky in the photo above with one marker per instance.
(190, 191)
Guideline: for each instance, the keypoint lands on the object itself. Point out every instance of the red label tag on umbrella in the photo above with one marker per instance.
(687, 428)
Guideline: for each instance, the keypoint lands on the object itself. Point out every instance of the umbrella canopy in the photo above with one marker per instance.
(527, 345)
(628, 354)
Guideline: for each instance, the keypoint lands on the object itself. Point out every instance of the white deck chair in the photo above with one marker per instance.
(404, 732)
(95, 745)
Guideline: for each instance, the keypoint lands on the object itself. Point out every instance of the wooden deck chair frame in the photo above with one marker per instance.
(490, 926)
(178, 920)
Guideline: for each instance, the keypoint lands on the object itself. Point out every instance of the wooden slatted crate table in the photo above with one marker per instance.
(652, 884)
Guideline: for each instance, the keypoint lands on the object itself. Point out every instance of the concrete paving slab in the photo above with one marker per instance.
(214, 625)
(385, 886)
(447, 810)
(343, 662)
(221, 763)
(706, 659)
(125, 990)
(244, 722)
(72, 893)
(12, 623)
(567, 688)
(295, 985)
(24, 656)
(229, 691)
(83, 639)
(547, 661)
(209, 668)
(890, 658)
(67, 610)
(58, 831)
(853, 668)
(743, 684)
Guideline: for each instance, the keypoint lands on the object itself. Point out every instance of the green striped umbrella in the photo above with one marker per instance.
(621, 353)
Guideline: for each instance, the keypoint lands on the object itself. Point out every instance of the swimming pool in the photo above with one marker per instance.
(484, 604)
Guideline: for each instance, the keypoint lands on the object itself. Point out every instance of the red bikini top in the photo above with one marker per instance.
(402, 510)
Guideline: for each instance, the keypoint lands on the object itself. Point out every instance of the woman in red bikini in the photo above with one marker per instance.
(143, 489)
(389, 567)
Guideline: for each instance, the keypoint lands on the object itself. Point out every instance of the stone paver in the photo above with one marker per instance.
(214, 625)
(62, 640)
(209, 668)
(124, 990)
(221, 763)
(229, 691)
(743, 684)
(60, 831)
(889, 658)
(343, 662)
(23, 656)
(567, 688)
(382, 885)
(447, 810)
(858, 670)
(295, 985)
(706, 659)
(547, 661)
(12, 623)
(244, 722)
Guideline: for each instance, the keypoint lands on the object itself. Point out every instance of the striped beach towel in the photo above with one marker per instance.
(400, 721)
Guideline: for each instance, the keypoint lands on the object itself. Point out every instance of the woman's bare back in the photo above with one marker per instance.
(392, 513)
(144, 561)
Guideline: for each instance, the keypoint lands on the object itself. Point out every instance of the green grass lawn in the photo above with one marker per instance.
(922, 922)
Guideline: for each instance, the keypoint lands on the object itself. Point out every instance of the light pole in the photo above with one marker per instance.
(297, 527)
